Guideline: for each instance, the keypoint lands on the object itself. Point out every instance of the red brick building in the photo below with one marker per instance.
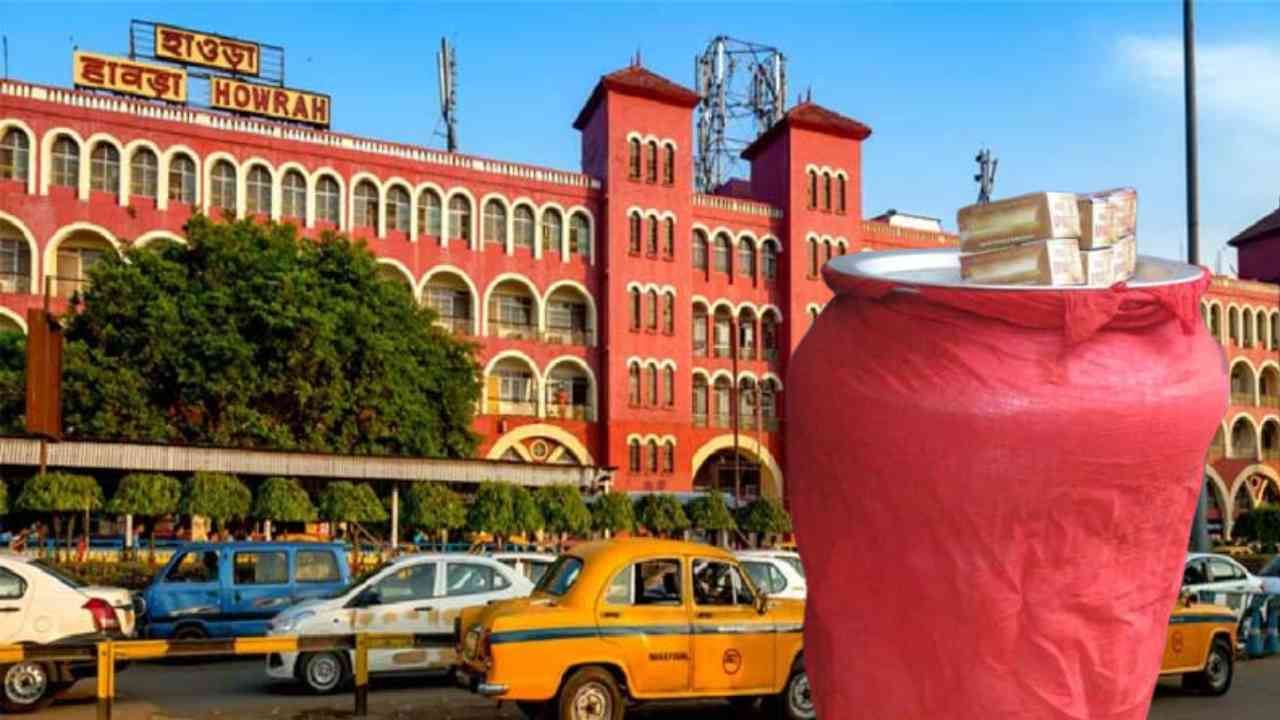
(606, 302)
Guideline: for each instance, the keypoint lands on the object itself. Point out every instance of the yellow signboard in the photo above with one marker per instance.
(273, 102)
(123, 75)
(215, 51)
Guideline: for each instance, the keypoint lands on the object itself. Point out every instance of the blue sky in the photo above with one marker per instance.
(1079, 96)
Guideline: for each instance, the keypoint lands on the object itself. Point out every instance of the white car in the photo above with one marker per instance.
(787, 556)
(1220, 580)
(418, 594)
(775, 576)
(1269, 575)
(530, 564)
(41, 606)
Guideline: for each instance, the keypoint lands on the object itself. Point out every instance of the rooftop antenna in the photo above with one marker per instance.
(744, 88)
(986, 177)
(447, 75)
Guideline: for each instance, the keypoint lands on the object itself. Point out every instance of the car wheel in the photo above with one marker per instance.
(795, 702)
(323, 672)
(28, 687)
(1218, 671)
(591, 694)
(190, 632)
(535, 710)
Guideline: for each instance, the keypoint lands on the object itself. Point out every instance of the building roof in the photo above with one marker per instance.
(810, 116)
(636, 80)
(1269, 224)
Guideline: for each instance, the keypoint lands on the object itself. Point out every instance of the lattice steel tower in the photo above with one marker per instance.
(744, 89)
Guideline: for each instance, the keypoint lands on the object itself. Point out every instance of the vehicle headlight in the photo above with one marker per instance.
(289, 624)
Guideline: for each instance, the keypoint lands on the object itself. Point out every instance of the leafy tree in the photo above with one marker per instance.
(217, 496)
(148, 495)
(4, 497)
(765, 516)
(58, 493)
(282, 499)
(357, 505)
(524, 510)
(708, 512)
(252, 336)
(613, 512)
(661, 514)
(13, 382)
(433, 507)
(503, 510)
(563, 510)
(1262, 524)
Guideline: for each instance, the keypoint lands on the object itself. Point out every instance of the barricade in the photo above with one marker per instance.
(108, 654)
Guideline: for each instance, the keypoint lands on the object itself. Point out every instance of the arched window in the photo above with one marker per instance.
(815, 262)
(840, 194)
(579, 235)
(769, 336)
(669, 313)
(257, 190)
(182, 180)
(826, 191)
(669, 164)
(1247, 318)
(398, 209)
(524, 227)
(293, 195)
(747, 403)
(144, 174)
(1233, 325)
(366, 205)
(651, 167)
(552, 231)
(699, 250)
(652, 249)
(651, 382)
(721, 407)
(669, 239)
(222, 186)
(668, 386)
(699, 331)
(769, 404)
(653, 456)
(633, 383)
(429, 209)
(723, 250)
(699, 401)
(15, 262)
(634, 452)
(633, 157)
(15, 153)
(635, 309)
(813, 190)
(826, 244)
(328, 201)
(633, 238)
(746, 259)
(669, 458)
(104, 168)
(769, 255)
(460, 218)
(746, 335)
(65, 170)
(653, 310)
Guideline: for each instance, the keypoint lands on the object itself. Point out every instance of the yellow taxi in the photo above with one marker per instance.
(1201, 647)
(619, 622)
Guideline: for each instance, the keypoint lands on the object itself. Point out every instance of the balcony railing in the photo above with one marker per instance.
(721, 351)
(1270, 401)
(699, 348)
(498, 406)
(512, 330)
(15, 282)
(570, 412)
(1241, 398)
(722, 420)
(459, 325)
(700, 420)
(1271, 453)
(569, 336)
(746, 352)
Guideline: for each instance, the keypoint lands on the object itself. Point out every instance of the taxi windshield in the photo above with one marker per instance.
(561, 576)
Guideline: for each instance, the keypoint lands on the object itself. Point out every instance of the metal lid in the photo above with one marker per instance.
(941, 268)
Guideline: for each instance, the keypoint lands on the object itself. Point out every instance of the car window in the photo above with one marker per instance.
(719, 583)
(12, 587)
(561, 576)
(471, 578)
(317, 566)
(415, 582)
(759, 574)
(196, 566)
(536, 569)
(778, 581)
(509, 562)
(260, 567)
(795, 563)
(1194, 573)
(649, 582)
(1220, 570)
(57, 574)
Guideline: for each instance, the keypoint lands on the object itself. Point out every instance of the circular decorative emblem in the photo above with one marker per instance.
(539, 449)
(1175, 641)
(732, 661)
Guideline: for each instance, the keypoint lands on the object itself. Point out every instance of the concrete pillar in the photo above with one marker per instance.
(395, 516)
(266, 530)
(128, 531)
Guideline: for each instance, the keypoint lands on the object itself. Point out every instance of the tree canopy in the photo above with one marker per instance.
(708, 512)
(146, 494)
(4, 497)
(58, 492)
(503, 510)
(433, 507)
(13, 382)
(283, 500)
(526, 516)
(765, 515)
(347, 502)
(661, 514)
(252, 336)
(563, 510)
(217, 496)
(613, 512)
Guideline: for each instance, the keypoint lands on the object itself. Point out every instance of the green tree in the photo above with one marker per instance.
(217, 496)
(434, 508)
(526, 516)
(57, 493)
(356, 505)
(282, 499)
(492, 511)
(564, 511)
(4, 497)
(765, 516)
(13, 382)
(1261, 524)
(252, 336)
(661, 515)
(708, 512)
(613, 512)
(148, 495)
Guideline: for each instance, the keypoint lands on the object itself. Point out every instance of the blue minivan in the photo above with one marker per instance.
(218, 590)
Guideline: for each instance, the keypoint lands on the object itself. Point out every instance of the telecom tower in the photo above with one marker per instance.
(739, 82)
(986, 177)
(447, 75)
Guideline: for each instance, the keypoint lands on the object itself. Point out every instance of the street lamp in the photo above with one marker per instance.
(1199, 525)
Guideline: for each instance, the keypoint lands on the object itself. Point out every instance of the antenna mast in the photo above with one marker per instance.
(744, 88)
(986, 177)
(447, 75)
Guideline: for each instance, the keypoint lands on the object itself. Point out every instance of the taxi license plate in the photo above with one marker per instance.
(470, 643)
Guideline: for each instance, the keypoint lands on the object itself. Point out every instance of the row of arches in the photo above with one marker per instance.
(822, 249)
(1248, 439)
(1252, 386)
(564, 389)
(1244, 326)
(316, 197)
(651, 454)
(715, 396)
(720, 329)
(650, 391)
(826, 188)
(1253, 486)
(643, 158)
(744, 257)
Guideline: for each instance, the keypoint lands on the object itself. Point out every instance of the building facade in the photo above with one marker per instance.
(621, 317)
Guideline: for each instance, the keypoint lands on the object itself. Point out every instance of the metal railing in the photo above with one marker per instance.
(721, 351)
(569, 336)
(512, 331)
(497, 406)
(570, 412)
(457, 324)
(11, 282)
(1245, 398)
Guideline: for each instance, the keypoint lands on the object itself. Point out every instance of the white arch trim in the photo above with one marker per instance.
(421, 292)
(524, 432)
(210, 162)
(46, 160)
(50, 261)
(126, 171)
(538, 314)
(15, 317)
(582, 290)
(314, 188)
(32, 146)
(147, 238)
(37, 263)
(400, 267)
(748, 444)
(86, 162)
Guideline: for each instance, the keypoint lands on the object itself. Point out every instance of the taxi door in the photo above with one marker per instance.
(1187, 642)
(644, 615)
(733, 644)
(401, 603)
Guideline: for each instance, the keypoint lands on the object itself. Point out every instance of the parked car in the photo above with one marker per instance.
(41, 606)
(1269, 575)
(530, 564)
(773, 575)
(1219, 580)
(418, 594)
(789, 557)
(215, 590)
(626, 621)
(1201, 646)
